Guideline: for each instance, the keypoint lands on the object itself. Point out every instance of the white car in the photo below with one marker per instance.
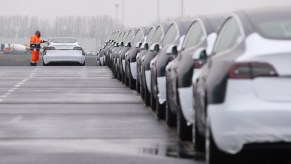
(63, 50)
(242, 95)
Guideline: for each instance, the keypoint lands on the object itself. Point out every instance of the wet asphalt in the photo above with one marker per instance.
(80, 115)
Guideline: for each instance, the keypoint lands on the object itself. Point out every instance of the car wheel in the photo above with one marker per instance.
(183, 130)
(126, 81)
(44, 63)
(213, 154)
(198, 139)
(147, 96)
(132, 83)
(171, 119)
(83, 64)
(161, 110)
(137, 86)
(153, 102)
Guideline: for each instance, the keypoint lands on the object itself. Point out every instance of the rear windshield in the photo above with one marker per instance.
(273, 25)
(63, 40)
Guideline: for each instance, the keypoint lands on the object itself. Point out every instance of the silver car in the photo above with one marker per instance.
(63, 50)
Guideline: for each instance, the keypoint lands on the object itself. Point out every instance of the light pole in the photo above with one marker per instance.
(122, 12)
(116, 6)
(181, 8)
(158, 11)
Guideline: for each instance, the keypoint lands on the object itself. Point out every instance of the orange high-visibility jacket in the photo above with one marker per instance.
(34, 39)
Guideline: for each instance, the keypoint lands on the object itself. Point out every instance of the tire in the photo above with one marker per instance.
(171, 118)
(137, 85)
(184, 131)
(147, 97)
(44, 63)
(83, 64)
(198, 139)
(153, 101)
(132, 83)
(161, 110)
(126, 81)
(213, 154)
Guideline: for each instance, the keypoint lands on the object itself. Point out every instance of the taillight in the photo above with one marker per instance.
(50, 48)
(78, 48)
(197, 63)
(171, 58)
(251, 70)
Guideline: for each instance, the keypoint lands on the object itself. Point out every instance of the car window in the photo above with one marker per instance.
(150, 36)
(138, 36)
(229, 36)
(123, 37)
(171, 35)
(272, 24)
(194, 36)
(158, 34)
(130, 36)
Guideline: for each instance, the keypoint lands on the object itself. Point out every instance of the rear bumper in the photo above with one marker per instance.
(52, 59)
(186, 101)
(245, 119)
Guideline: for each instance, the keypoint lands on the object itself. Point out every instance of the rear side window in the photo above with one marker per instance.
(158, 34)
(138, 36)
(194, 36)
(150, 36)
(273, 24)
(229, 36)
(130, 36)
(171, 35)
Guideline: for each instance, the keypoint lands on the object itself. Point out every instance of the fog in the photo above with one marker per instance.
(96, 19)
(136, 12)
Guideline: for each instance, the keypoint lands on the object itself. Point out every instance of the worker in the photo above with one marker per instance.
(35, 47)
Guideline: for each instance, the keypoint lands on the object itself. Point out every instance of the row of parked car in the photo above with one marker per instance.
(223, 80)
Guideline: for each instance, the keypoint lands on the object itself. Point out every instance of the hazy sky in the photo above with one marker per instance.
(137, 12)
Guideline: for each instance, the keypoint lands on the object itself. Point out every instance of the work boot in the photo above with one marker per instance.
(33, 64)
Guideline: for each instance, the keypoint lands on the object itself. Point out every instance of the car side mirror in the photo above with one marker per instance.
(145, 46)
(200, 58)
(172, 50)
(155, 47)
(128, 44)
(138, 45)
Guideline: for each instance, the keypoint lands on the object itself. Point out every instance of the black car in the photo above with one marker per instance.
(147, 58)
(120, 56)
(172, 41)
(142, 51)
(130, 57)
(114, 52)
(200, 35)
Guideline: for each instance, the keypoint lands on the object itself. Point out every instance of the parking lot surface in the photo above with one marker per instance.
(70, 115)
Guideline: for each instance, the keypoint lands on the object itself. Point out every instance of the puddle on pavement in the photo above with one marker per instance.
(173, 151)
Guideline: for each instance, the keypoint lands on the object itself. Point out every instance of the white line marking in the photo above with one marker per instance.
(16, 119)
